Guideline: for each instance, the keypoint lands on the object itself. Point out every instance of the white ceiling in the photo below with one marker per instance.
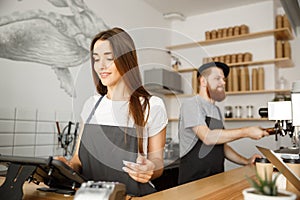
(195, 7)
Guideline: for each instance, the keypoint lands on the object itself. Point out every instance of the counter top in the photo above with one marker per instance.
(227, 185)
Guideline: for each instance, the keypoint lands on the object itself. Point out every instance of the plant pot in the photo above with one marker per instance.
(249, 194)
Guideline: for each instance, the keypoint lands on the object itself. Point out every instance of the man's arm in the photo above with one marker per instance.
(235, 157)
(221, 136)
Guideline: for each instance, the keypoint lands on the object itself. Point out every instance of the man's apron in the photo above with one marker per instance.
(202, 160)
(102, 151)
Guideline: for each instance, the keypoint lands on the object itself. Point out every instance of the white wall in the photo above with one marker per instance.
(259, 17)
(33, 89)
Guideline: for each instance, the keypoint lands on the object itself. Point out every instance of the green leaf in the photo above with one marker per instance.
(265, 187)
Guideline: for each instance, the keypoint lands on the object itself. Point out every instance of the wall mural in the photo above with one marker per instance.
(53, 39)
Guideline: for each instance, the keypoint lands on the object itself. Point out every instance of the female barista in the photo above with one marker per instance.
(123, 122)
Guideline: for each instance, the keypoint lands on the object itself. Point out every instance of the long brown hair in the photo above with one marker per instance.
(125, 59)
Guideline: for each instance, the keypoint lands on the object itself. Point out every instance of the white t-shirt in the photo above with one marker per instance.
(116, 113)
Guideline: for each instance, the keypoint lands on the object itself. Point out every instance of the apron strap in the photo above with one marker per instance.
(221, 118)
(220, 115)
(94, 110)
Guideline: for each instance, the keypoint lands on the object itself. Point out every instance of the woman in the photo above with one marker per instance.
(123, 122)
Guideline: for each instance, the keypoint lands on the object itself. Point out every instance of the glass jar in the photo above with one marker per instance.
(238, 111)
(228, 112)
(249, 111)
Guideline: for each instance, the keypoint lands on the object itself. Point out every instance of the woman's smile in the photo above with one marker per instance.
(104, 75)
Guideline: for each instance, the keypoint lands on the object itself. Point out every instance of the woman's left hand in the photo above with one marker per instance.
(141, 171)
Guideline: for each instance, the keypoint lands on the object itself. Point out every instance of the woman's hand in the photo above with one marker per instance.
(63, 159)
(141, 171)
(72, 163)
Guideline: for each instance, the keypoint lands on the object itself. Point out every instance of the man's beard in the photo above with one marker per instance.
(215, 94)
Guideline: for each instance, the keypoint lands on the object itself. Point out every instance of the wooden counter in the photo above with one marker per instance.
(227, 185)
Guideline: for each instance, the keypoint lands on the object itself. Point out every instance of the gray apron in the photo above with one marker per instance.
(102, 151)
(202, 160)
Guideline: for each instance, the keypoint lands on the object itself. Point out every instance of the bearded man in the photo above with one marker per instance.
(202, 137)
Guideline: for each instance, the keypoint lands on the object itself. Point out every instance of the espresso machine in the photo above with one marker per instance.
(287, 121)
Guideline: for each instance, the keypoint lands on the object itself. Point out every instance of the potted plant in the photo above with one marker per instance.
(266, 190)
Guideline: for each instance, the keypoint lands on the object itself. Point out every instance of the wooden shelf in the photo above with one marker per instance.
(279, 34)
(246, 119)
(279, 62)
(230, 119)
(284, 62)
(283, 34)
(277, 91)
(187, 70)
(180, 95)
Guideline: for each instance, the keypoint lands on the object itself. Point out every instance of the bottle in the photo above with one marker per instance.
(229, 81)
(254, 79)
(233, 58)
(230, 31)
(207, 35)
(261, 78)
(286, 22)
(235, 79)
(240, 57)
(286, 49)
(222, 59)
(219, 33)
(279, 22)
(244, 29)
(224, 32)
(247, 57)
(243, 79)
(227, 59)
(247, 78)
(278, 50)
(213, 34)
(236, 30)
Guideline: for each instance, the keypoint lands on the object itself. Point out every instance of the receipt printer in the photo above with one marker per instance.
(101, 190)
